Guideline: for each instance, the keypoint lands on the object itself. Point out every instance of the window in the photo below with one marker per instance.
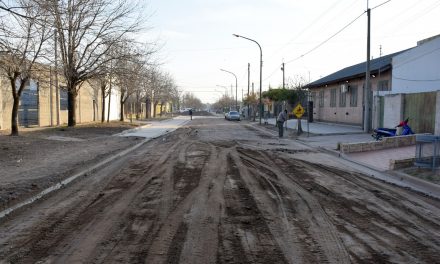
(382, 85)
(353, 96)
(63, 98)
(313, 98)
(321, 98)
(333, 98)
(342, 98)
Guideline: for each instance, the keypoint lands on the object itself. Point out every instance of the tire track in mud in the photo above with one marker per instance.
(84, 220)
(245, 236)
(306, 220)
(372, 217)
(196, 196)
(200, 221)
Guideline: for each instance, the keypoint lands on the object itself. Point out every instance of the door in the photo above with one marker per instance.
(28, 109)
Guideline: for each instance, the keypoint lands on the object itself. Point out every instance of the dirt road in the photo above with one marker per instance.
(225, 192)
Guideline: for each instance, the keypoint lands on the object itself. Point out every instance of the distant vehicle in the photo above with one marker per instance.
(185, 110)
(232, 115)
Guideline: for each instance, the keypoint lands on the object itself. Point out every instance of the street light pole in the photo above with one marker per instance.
(261, 69)
(224, 87)
(236, 104)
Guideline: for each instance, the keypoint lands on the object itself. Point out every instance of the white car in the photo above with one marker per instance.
(232, 115)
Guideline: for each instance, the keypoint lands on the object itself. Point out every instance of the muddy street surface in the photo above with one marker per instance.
(225, 192)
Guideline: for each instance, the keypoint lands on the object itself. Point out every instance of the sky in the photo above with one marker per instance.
(196, 38)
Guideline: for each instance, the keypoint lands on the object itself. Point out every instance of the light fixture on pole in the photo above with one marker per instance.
(236, 104)
(261, 70)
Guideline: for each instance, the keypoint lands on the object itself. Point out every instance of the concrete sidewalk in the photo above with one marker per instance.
(154, 129)
(319, 128)
(328, 136)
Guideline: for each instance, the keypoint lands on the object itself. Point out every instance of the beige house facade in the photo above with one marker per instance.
(339, 97)
(42, 105)
(411, 76)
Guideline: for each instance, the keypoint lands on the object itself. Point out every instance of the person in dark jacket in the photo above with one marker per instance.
(191, 113)
(282, 117)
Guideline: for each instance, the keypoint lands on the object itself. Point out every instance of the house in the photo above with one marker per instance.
(339, 97)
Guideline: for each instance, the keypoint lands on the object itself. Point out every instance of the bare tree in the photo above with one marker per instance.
(191, 101)
(21, 49)
(100, 86)
(87, 30)
(14, 8)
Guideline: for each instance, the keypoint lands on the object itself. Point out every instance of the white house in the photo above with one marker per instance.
(418, 69)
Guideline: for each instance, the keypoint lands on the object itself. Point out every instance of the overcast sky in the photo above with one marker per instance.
(198, 41)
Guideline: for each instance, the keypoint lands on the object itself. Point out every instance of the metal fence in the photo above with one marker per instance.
(427, 151)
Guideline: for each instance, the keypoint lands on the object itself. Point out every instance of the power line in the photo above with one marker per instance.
(328, 39)
(306, 28)
(319, 45)
(379, 5)
(415, 58)
(414, 80)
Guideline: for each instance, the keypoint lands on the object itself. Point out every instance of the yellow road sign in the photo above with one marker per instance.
(298, 111)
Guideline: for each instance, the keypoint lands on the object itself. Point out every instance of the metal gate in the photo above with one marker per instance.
(28, 110)
(420, 109)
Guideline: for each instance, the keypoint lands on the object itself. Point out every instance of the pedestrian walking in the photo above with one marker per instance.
(191, 113)
(282, 117)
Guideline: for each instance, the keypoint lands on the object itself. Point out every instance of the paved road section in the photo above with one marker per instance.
(155, 129)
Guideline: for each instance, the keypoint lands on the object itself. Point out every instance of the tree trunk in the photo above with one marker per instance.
(71, 105)
(103, 104)
(14, 117)
(109, 98)
(16, 102)
(121, 118)
(154, 109)
(148, 110)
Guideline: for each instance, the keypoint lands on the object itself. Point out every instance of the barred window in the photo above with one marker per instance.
(382, 85)
(342, 99)
(353, 96)
(63, 98)
(321, 98)
(333, 98)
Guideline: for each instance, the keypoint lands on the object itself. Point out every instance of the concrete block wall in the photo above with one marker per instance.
(393, 109)
(1, 107)
(5, 104)
(85, 107)
(385, 143)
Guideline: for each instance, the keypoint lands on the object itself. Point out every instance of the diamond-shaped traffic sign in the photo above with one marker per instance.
(298, 111)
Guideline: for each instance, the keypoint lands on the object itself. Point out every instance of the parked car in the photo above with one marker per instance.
(185, 110)
(233, 115)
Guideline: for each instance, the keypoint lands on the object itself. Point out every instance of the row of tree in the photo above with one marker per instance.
(90, 41)
(290, 95)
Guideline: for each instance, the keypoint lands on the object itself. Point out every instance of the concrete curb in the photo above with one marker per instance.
(84, 173)
(397, 178)
(68, 180)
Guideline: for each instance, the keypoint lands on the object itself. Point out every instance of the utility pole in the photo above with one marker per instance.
(282, 69)
(249, 79)
(51, 95)
(367, 101)
(253, 94)
(57, 89)
(109, 92)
